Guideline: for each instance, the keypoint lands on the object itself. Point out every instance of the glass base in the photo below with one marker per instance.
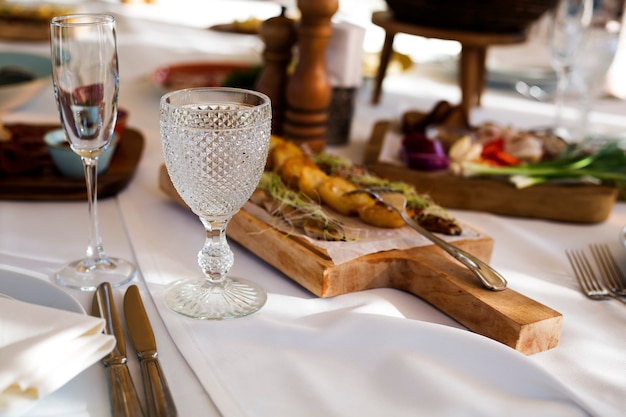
(76, 275)
(198, 299)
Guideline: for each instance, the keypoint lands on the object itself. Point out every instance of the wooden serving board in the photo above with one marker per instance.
(426, 271)
(16, 30)
(49, 184)
(576, 203)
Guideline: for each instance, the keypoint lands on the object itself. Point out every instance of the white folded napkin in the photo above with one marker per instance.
(43, 348)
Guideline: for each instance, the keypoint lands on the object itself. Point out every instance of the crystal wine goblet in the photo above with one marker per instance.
(85, 77)
(215, 144)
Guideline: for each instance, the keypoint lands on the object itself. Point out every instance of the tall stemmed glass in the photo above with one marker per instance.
(594, 57)
(85, 76)
(215, 143)
(569, 19)
(585, 36)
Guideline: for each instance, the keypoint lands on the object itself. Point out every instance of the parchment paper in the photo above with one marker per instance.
(365, 239)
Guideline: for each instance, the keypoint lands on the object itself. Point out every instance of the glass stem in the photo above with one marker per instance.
(559, 101)
(584, 111)
(96, 257)
(215, 258)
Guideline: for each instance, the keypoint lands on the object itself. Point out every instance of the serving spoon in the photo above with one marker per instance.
(396, 201)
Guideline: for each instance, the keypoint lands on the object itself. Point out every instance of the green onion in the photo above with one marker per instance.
(607, 165)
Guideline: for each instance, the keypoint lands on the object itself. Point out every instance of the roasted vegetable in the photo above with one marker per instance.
(423, 153)
(296, 185)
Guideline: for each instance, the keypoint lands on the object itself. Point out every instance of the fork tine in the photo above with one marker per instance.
(574, 260)
(587, 279)
(592, 279)
(601, 259)
(612, 275)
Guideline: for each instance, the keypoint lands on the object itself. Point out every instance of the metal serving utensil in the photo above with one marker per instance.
(397, 201)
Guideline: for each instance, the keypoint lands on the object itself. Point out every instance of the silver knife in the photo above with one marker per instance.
(124, 396)
(158, 397)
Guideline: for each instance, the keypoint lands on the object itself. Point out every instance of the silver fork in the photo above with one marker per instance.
(611, 274)
(587, 278)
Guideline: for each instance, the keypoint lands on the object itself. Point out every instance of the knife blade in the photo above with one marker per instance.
(124, 398)
(159, 399)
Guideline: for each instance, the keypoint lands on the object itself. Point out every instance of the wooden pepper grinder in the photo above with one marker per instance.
(279, 35)
(309, 90)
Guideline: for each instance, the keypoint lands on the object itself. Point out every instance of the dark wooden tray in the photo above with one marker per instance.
(50, 184)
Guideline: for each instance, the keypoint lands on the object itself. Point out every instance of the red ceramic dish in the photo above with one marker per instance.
(195, 74)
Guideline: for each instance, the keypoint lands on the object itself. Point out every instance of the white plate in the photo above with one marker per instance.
(34, 290)
(86, 395)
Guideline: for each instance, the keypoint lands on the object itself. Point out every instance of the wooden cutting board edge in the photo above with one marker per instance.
(427, 272)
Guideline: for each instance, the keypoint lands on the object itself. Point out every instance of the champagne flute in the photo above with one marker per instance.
(585, 36)
(215, 144)
(569, 19)
(85, 77)
(594, 57)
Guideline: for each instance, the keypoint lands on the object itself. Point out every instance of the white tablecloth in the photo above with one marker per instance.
(587, 370)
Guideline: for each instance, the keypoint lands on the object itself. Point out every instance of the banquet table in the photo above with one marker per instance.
(368, 353)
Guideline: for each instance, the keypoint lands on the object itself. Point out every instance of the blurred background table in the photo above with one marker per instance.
(472, 59)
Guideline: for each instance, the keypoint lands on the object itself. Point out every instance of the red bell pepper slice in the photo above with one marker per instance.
(494, 152)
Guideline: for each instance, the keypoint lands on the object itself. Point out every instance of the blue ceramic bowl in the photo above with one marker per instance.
(15, 88)
(70, 164)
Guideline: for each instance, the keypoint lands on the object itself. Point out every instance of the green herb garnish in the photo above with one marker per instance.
(607, 165)
(298, 210)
